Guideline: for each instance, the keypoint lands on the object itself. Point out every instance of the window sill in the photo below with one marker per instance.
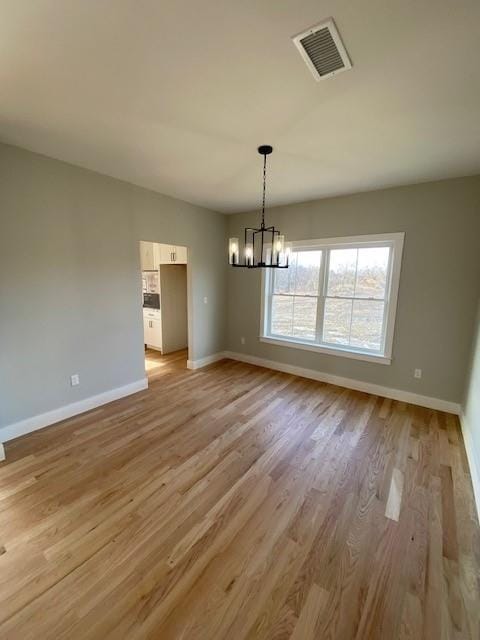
(332, 351)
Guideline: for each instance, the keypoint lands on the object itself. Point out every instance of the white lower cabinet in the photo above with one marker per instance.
(152, 329)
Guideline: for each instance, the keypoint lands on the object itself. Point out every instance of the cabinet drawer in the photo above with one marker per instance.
(154, 314)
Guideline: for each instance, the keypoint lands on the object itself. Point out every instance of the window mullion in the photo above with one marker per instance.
(321, 297)
(353, 300)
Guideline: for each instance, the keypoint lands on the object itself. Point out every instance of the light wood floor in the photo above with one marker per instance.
(235, 502)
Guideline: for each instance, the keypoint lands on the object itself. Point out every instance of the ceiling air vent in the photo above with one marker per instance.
(322, 49)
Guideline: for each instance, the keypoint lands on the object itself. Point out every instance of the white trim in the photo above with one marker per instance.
(203, 362)
(151, 346)
(350, 241)
(395, 241)
(473, 463)
(62, 413)
(396, 267)
(332, 351)
(350, 383)
(2, 452)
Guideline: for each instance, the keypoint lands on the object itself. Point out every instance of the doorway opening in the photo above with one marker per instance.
(165, 300)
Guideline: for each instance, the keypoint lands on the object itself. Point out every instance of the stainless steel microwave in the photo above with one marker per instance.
(151, 300)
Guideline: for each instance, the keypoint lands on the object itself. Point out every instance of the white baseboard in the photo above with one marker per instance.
(350, 383)
(151, 346)
(203, 362)
(62, 413)
(473, 462)
(2, 452)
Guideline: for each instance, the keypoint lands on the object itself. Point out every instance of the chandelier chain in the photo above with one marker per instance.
(264, 187)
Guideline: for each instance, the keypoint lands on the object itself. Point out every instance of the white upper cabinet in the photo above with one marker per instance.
(153, 254)
(150, 255)
(181, 255)
(146, 256)
(166, 254)
(170, 254)
(157, 258)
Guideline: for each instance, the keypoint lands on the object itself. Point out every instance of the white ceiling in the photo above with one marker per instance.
(176, 95)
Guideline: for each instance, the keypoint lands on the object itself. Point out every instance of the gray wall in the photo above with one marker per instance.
(472, 411)
(438, 287)
(70, 286)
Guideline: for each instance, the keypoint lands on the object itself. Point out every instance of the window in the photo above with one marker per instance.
(337, 296)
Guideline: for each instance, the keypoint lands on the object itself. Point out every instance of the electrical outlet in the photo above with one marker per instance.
(417, 373)
(205, 300)
(242, 340)
(75, 379)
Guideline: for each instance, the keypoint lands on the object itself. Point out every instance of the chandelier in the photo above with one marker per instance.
(263, 247)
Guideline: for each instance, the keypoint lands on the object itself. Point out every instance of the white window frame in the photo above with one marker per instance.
(395, 241)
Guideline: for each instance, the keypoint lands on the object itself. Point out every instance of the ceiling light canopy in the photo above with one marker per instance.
(265, 246)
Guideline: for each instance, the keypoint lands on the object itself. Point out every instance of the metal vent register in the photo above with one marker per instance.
(323, 51)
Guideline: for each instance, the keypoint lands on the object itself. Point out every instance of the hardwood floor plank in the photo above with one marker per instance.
(412, 619)
(310, 614)
(234, 502)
